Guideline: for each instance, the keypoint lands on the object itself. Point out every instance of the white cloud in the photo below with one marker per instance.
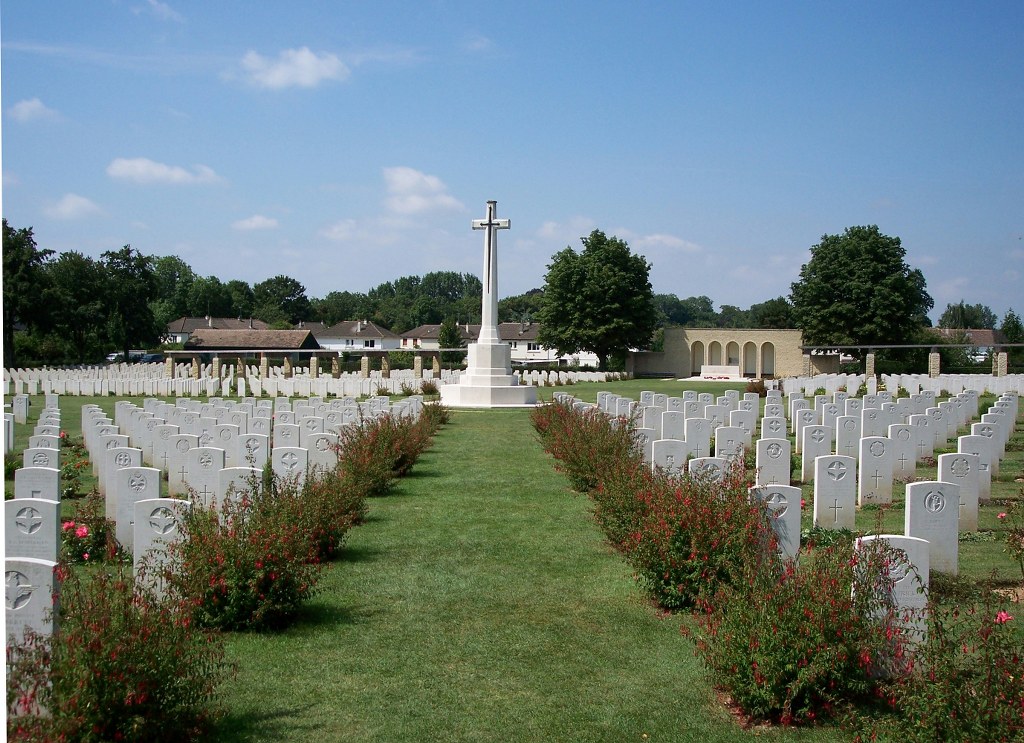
(478, 43)
(567, 233)
(163, 11)
(144, 170)
(293, 68)
(344, 230)
(413, 192)
(255, 222)
(72, 206)
(658, 240)
(30, 110)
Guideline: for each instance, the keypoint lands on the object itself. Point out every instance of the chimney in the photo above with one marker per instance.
(359, 326)
(250, 323)
(209, 321)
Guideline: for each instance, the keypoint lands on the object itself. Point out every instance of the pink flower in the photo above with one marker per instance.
(1002, 617)
(85, 555)
(68, 525)
(82, 531)
(1002, 515)
(803, 503)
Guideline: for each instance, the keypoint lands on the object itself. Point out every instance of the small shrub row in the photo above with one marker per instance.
(793, 642)
(124, 665)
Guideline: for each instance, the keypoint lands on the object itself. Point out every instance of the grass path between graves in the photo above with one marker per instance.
(478, 603)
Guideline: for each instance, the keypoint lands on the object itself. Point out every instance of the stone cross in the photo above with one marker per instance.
(489, 307)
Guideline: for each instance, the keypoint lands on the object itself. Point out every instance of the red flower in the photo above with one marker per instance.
(1003, 617)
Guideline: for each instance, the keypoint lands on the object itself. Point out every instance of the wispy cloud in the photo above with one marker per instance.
(72, 206)
(293, 68)
(255, 222)
(568, 232)
(143, 170)
(413, 192)
(159, 10)
(660, 241)
(478, 43)
(29, 110)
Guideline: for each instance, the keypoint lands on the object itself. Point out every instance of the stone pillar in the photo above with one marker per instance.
(264, 366)
(335, 366)
(215, 371)
(286, 370)
(417, 366)
(1002, 363)
(934, 363)
(314, 367)
(807, 365)
(169, 367)
(195, 367)
(385, 366)
(436, 359)
(240, 370)
(869, 364)
(364, 366)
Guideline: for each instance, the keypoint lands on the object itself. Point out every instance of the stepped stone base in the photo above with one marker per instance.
(488, 381)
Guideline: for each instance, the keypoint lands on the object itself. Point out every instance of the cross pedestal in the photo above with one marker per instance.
(488, 381)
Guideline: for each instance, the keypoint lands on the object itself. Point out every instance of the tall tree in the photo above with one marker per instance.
(23, 282)
(967, 316)
(1013, 330)
(173, 278)
(209, 297)
(77, 298)
(448, 336)
(280, 298)
(338, 307)
(130, 284)
(598, 300)
(774, 313)
(857, 289)
(522, 307)
(241, 298)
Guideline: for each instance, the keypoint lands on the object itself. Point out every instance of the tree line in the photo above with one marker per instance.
(856, 289)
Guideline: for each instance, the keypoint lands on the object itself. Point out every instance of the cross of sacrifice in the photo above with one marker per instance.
(490, 225)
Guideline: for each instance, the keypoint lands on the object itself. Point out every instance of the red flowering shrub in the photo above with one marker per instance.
(966, 681)
(248, 566)
(698, 534)
(122, 665)
(89, 537)
(794, 642)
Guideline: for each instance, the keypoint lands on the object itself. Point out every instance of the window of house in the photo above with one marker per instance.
(532, 346)
(369, 343)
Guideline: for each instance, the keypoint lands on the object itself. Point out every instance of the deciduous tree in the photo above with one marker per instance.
(598, 300)
(857, 289)
(23, 282)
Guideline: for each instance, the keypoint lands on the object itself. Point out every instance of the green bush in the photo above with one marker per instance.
(123, 665)
(249, 565)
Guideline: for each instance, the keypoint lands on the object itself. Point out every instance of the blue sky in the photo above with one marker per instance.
(346, 144)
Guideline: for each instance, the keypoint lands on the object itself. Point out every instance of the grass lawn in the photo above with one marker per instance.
(479, 602)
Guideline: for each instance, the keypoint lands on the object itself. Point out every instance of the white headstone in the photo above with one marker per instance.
(932, 514)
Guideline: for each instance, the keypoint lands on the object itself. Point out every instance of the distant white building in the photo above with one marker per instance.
(355, 335)
(180, 330)
(522, 337)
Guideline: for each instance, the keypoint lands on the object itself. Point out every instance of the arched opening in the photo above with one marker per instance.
(732, 353)
(749, 359)
(768, 360)
(714, 353)
(696, 358)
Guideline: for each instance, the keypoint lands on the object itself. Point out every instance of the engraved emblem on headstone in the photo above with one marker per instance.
(899, 565)
(837, 470)
(960, 467)
(774, 426)
(225, 435)
(137, 482)
(122, 459)
(903, 434)
(774, 451)
(205, 439)
(935, 501)
(877, 448)
(290, 460)
(778, 503)
(849, 425)
(182, 445)
(40, 459)
(28, 520)
(161, 520)
(206, 460)
(323, 444)
(19, 591)
(165, 434)
(817, 435)
(670, 460)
